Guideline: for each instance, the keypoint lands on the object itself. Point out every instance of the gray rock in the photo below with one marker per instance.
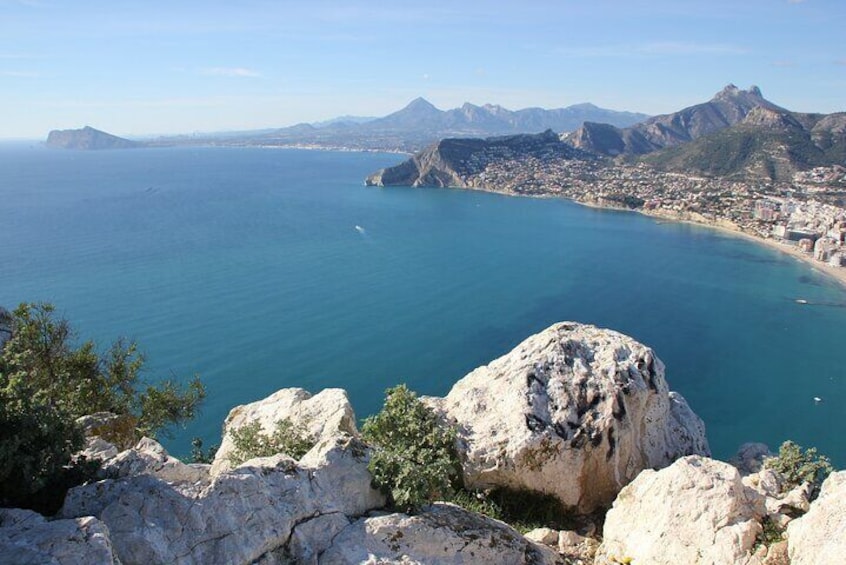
(574, 411)
(148, 457)
(247, 514)
(750, 457)
(324, 415)
(27, 538)
(441, 534)
(820, 535)
(696, 511)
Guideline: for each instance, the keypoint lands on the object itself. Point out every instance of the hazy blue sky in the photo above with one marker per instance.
(138, 67)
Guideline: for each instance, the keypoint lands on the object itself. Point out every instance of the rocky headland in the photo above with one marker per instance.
(88, 138)
(737, 162)
(576, 412)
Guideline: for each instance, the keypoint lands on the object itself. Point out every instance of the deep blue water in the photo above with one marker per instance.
(245, 266)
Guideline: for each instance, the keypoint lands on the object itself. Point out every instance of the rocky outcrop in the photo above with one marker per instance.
(266, 509)
(820, 535)
(88, 138)
(696, 511)
(450, 162)
(120, 430)
(441, 534)
(575, 412)
(27, 537)
(574, 546)
(148, 457)
(323, 415)
(750, 457)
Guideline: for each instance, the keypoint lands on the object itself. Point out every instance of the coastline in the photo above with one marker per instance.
(837, 274)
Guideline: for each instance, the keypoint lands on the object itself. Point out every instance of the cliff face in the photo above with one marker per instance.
(88, 138)
(450, 161)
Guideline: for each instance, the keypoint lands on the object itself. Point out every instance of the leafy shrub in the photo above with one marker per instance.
(797, 467)
(414, 459)
(288, 438)
(40, 360)
(46, 384)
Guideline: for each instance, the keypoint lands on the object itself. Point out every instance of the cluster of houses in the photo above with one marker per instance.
(815, 228)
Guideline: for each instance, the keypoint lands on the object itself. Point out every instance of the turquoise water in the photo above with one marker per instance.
(246, 266)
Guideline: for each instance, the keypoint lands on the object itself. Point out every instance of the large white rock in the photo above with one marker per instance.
(574, 411)
(441, 534)
(148, 457)
(820, 535)
(325, 414)
(696, 511)
(27, 538)
(244, 515)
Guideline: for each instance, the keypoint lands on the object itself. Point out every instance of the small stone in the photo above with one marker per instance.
(545, 536)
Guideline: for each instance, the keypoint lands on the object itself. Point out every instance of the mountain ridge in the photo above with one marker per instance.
(726, 108)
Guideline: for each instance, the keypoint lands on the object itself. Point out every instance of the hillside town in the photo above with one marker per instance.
(807, 215)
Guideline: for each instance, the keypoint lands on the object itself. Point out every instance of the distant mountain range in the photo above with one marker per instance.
(409, 129)
(738, 134)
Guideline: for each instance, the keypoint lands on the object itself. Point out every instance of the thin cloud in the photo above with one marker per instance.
(841, 62)
(238, 72)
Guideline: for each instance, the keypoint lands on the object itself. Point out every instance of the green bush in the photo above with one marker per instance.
(414, 459)
(797, 467)
(288, 438)
(46, 384)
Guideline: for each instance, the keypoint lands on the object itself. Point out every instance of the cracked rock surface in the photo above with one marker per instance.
(696, 511)
(574, 411)
(244, 515)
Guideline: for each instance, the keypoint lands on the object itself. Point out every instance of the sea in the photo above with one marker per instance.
(259, 269)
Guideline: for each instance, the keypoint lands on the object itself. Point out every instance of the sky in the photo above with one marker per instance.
(148, 67)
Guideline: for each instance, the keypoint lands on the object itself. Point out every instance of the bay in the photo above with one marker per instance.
(261, 269)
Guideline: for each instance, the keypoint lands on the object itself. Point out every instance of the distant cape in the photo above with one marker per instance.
(88, 138)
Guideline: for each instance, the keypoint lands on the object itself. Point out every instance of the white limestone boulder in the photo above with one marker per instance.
(323, 415)
(820, 535)
(148, 457)
(696, 511)
(242, 516)
(574, 411)
(439, 535)
(26, 537)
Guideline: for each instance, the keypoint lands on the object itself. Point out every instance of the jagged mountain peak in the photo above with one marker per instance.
(732, 93)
